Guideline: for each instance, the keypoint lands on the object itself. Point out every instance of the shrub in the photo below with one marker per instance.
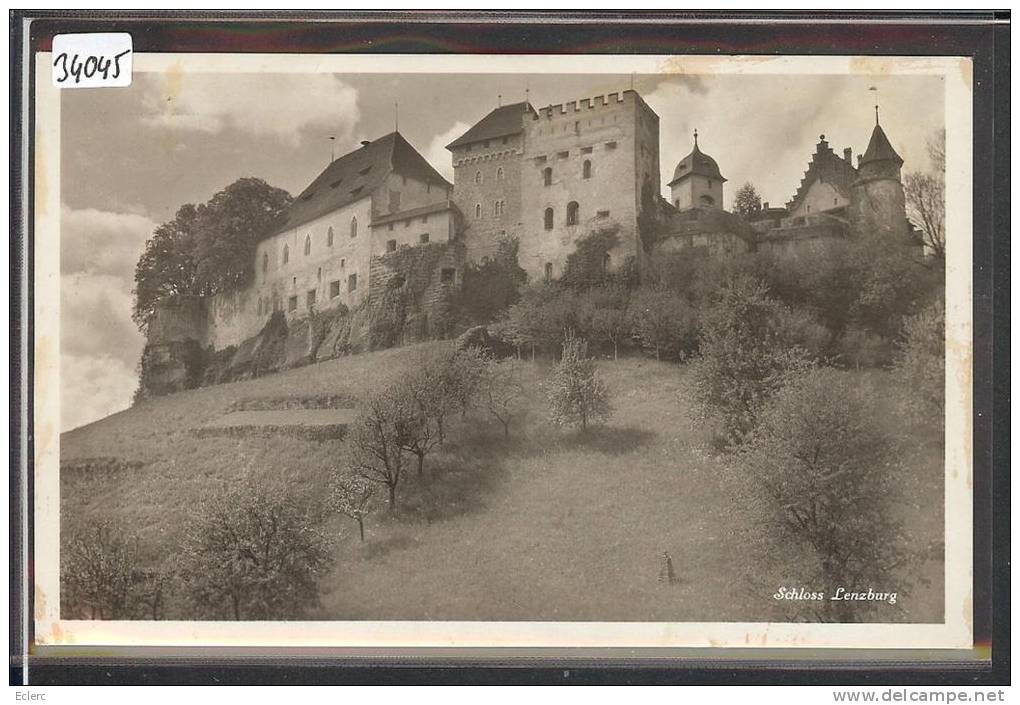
(490, 287)
(502, 392)
(255, 552)
(920, 365)
(822, 475)
(577, 396)
(99, 572)
(859, 348)
(744, 359)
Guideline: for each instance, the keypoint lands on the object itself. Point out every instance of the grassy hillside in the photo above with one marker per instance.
(549, 525)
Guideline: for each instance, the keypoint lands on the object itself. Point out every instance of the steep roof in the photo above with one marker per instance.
(501, 122)
(879, 148)
(828, 167)
(355, 176)
(697, 162)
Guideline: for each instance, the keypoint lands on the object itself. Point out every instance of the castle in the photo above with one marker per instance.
(381, 221)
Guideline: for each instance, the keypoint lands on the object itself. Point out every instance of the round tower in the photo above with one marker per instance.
(877, 204)
(696, 181)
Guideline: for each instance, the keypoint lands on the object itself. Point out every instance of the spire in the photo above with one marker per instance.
(875, 90)
(695, 138)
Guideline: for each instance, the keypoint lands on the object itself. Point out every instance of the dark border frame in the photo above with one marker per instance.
(984, 36)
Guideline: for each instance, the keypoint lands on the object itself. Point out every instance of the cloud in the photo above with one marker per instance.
(99, 344)
(102, 242)
(93, 387)
(438, 155)
(281, 106)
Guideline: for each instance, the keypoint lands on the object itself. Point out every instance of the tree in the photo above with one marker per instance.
(920, 365)
(428, 401)
(604, 314)
(351, 496)
(377, 439)
(207, 248)
(664, 323)
(822, 474)
(925, 195)
(744, 359)
(747, 202)
(577, 395)
(255, 552)
(99, 572)
(502, 392)
(588, 264)
(491, 286)
(165, 273)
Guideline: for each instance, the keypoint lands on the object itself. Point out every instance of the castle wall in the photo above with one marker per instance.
(820, 196)
(604, 131)
(305, 283)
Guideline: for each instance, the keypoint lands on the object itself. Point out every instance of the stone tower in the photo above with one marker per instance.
(877, 204)
(696, 181)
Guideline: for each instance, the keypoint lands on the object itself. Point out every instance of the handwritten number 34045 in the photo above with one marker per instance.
(91, 66)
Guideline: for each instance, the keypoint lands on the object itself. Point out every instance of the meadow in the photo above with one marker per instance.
(548, 524)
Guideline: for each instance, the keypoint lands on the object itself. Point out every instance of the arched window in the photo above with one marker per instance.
(499, 174)
(478, 210)
(329, 236)
(586, 169)
(548, 271)
(260, 306)
(265, 262)
(548, 218)
(478, 177)
(572, 213)
(547, 176)
(286, 254)
(308, 245)
(707, 200)
(354, 226)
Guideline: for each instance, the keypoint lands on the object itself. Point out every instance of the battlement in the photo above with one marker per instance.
(573, 107)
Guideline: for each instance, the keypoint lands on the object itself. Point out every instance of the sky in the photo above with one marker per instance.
(132, 156)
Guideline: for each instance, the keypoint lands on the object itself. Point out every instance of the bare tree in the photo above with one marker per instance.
(351, 496)
(502, 392)
(925, 194)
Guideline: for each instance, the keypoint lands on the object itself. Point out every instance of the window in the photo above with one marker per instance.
(355, 191)
(586, 169)
(478, 177)
(428, 187)
(391, 245)
(499, 174)
(572, 208)
(605, 214)
(352, 282)
(390, 227)
(318, 275)
(310, 298)
(259, 308)
(354, 226)
(506, 140)
(707, 200)
(286, 254)
(676, 203)
(423, 238)
(497, 208)
(563, 155)
(577, 127)
(334, 289)
(394, 201)
(407, 223)
(308, 245)
(611, 145)
(403, 181)
(585, 150)
(548, 218)
(329, 236)
(334, 184)
(478, 210)
(547, 176)
(265, 262)
(292, 303)
(343, 261)
(548, 271)
(448, 274)
(485, 144)
(365, 170)
(424, 219)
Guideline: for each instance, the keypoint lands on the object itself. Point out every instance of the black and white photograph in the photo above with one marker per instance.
(629, 351)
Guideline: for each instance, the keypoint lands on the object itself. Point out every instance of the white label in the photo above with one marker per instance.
(95, 60)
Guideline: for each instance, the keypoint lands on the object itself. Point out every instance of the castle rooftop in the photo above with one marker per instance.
(501, 122)
(355, 176)
(697, 162)
(879, 148)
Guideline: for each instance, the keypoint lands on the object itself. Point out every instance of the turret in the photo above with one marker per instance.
(697, 181)
(878, 206)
